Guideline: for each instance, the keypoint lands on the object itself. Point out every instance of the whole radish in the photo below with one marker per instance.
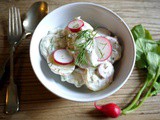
(110, 110)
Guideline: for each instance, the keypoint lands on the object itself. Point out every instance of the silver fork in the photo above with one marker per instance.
(14, 34)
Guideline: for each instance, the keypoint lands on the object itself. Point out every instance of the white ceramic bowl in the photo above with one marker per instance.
(96, 15)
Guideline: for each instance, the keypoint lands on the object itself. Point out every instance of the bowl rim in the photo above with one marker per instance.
(133, 60)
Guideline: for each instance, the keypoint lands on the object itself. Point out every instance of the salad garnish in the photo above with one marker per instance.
(88, 36)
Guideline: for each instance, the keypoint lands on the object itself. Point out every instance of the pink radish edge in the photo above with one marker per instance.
(109, 46)
(75, 29)
(61, 62)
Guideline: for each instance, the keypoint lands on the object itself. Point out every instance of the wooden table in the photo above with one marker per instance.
(37, 103)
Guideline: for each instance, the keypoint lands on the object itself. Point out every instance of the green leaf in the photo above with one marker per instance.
(143, 46)
(141, 60)
(152, 46)
(153, 60)
(141, 53)
(140, 32)
(148, 35)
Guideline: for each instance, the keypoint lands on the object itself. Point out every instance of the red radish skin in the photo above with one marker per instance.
(60, 62)
(106, 48)
(72, 24)
(110, 110)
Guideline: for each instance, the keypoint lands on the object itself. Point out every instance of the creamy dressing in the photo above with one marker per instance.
(95, 81)
(95, 75)
(76, 77)
(103, 32)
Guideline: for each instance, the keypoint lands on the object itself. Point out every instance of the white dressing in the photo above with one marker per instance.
(95, 81)
(76, 77)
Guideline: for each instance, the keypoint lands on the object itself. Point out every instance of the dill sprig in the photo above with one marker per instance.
(88, 36)
(100, 52)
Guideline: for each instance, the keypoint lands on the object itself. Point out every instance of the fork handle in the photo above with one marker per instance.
(12, 101)
(11, 63)
(3, 66)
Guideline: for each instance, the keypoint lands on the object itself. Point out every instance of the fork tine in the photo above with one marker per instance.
(9, 24)
(16, 21)
(19, 22)
(15, 26)
(13, 23)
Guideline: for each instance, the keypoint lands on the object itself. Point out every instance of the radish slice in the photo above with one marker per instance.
(103, 48)
(75, 25)
(62, 56)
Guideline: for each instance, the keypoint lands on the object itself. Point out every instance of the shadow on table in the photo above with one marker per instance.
(4, 52)
(97, 114)
(30, 88)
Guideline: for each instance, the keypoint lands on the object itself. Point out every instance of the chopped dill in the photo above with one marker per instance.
(100, 52)
(88, 36)
(103, 45)
(76, 26)
(113, 50)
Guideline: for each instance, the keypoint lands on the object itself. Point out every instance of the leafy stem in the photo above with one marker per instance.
(148, 94)
(134, 102)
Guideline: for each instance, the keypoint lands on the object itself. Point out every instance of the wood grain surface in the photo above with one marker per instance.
(37, 103)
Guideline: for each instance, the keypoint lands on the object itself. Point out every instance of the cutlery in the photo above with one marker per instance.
(14, 34)
(34, 15)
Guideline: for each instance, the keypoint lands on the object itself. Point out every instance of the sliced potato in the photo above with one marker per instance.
(59, 69)
(75, 78)
(95, 82)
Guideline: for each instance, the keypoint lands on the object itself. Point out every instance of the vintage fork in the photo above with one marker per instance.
(14, 34)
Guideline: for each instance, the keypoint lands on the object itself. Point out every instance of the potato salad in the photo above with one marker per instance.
(82, 55)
